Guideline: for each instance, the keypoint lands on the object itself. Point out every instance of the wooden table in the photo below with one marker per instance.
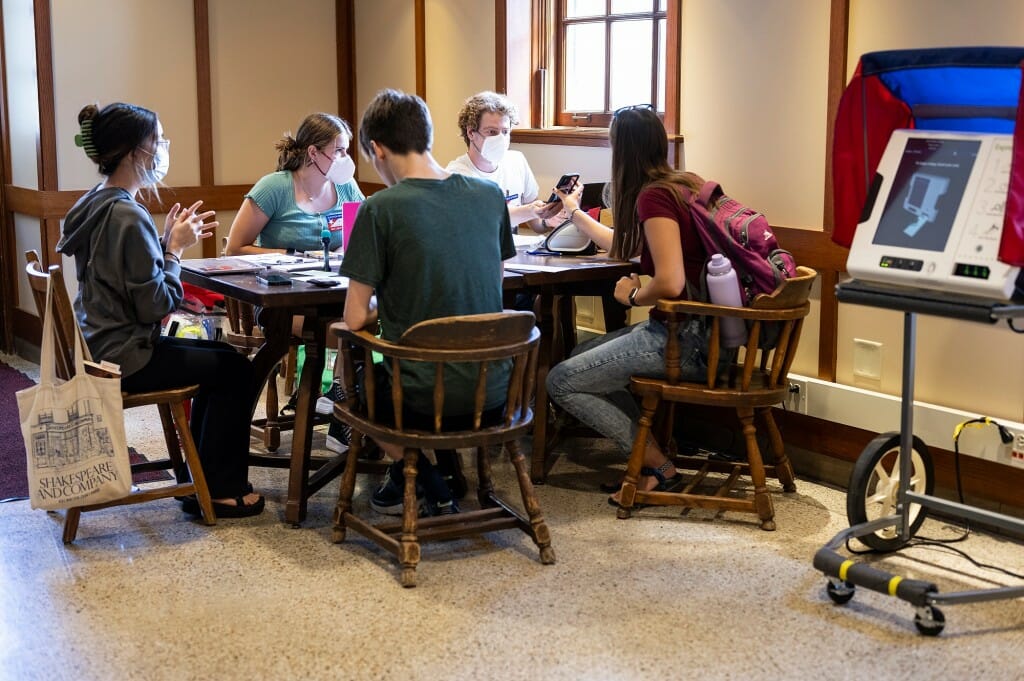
(318, 308)
(557, 280)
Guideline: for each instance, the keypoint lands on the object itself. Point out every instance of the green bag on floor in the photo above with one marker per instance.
(328, 375)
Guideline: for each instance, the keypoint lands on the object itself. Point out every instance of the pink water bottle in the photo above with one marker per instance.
(724, 289)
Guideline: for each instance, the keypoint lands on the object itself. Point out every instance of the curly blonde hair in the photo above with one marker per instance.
(479, 104)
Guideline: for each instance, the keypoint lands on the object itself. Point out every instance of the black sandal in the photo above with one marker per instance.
(239, 509)
(673, 484)
(289, 408)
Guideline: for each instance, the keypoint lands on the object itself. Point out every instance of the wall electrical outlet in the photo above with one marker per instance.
(1017, 450)
(796, 398)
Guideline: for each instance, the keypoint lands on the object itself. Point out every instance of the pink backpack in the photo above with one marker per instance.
(744, 236)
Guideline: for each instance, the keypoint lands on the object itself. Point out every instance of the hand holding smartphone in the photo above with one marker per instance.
(566, 183)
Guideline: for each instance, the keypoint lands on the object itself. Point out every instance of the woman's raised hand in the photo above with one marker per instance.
(187, 226)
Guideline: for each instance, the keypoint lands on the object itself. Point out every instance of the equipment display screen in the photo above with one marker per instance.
(926, 193)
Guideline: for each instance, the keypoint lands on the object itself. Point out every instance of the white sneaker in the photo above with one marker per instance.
(338, 437)
(335, 445)
(324, 405)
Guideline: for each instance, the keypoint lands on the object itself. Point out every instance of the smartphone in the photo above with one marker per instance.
(323, 282)
(273, 278)
(566, 183)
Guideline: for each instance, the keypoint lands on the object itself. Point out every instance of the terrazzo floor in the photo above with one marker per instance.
(147, 593)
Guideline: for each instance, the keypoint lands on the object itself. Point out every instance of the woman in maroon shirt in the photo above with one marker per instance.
(648, 203)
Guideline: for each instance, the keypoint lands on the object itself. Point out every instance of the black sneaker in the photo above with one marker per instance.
(339, 437)
(433, 508)
(389, 498)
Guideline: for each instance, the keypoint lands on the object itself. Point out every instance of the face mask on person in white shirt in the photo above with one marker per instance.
(494, 147)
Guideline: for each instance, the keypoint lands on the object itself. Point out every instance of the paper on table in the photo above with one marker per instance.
(290, 263)
(525, 267)
(526, 240)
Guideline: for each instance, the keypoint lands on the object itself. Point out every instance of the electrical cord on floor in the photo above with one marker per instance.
(934, 542)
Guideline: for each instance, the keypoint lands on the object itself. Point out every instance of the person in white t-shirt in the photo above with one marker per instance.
(485, 123)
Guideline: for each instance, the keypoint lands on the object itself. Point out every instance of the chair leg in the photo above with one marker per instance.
(648, 406)
(71, 518)
(348, 486)
(181, 473)
(783, 468)
(288, 369)
(408, 545)
(762, 498)
(541, 535)
(485, 488)
(191, 456)
(272, 427)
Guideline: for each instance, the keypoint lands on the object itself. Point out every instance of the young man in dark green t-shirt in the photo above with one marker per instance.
(429, 245)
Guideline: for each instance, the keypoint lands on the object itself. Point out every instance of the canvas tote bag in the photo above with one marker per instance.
(73, 431)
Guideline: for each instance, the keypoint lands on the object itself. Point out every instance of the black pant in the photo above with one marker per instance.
(221, 412)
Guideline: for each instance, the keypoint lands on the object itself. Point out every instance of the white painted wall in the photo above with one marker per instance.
(136, 51)
(272, 64)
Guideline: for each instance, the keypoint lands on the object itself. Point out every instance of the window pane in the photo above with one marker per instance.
(662, 37)
(584, 67)
(584, 8)
(631, 63)
(631, 6)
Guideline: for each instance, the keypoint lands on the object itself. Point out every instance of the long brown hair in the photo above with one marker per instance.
(639, 160)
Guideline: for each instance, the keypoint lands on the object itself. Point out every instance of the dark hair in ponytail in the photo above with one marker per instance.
(318, 129)
(111, 133)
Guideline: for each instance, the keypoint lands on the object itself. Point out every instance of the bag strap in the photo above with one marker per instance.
(47, 354)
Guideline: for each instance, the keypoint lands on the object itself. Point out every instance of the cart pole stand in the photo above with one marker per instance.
(906, 421)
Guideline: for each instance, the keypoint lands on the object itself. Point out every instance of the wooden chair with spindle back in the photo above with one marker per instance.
(181, 450)
(755, 380)
(474, 341)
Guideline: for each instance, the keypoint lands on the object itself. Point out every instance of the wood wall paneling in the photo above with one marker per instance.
(345, 20)
(204, 105)
(421, 48)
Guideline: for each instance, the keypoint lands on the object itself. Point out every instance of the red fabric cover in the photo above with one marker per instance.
(208, 298)
(868, 113)
(1011, 246)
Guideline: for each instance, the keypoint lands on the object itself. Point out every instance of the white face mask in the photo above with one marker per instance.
(161, 164)
(494, 147)
(340, 171)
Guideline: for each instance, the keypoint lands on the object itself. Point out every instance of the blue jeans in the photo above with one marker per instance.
(593, 384)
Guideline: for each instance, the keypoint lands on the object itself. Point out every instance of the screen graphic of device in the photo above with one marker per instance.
(926, 193)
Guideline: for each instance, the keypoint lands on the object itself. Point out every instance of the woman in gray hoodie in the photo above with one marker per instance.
(129, 280)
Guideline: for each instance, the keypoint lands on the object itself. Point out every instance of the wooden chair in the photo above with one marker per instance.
(754, 380)
(181, 450)
(475, 339)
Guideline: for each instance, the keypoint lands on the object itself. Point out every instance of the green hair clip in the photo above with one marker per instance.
(84, 139)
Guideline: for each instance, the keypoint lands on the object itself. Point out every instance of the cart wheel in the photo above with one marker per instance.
(929, 620)
(839, 591)
(874, 486)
